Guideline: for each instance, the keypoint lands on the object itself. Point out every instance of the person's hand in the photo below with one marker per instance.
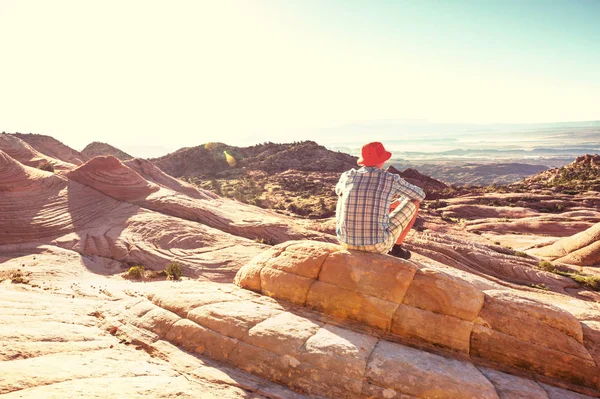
(394, 205)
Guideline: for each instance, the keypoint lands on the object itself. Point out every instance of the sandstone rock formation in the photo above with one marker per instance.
(307, 351)
(41, 207)
(582, 249)
(466, 318)
(55, 341)
(27, 155)
(116, 180)
(153, 174)
(424, 304)
(52, 147)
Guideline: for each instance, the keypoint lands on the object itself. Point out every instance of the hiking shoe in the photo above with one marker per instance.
(399, 252)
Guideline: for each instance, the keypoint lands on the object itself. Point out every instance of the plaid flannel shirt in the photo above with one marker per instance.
(363, 207)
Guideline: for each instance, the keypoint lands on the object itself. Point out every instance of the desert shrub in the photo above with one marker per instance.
(136, 272)
(521, 254)
(539, 287)
(546, 266)
(592, 282)
(47, 166)
(173, 271)
(266, 241)
(215, 186)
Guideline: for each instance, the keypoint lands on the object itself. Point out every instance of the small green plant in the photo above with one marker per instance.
(266, 241)
(496, 242)
(539, 286)
(47, 166)
(521, 254)
(173, 271)
(546, 266)
(592, 282)
(136, 272)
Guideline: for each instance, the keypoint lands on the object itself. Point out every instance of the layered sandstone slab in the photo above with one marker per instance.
(418, 302)
(54, 342)
(306, 350)
(52, 147)
(117, 180)
(492, 262)
(582, 249)
(26, 154)
(40, 207)
(153, 174)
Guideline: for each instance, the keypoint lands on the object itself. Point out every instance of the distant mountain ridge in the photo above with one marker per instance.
(97, 148)
(475, 174)
(415, 177)
(213, 158)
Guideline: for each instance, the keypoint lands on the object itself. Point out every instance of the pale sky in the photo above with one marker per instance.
(181, 73)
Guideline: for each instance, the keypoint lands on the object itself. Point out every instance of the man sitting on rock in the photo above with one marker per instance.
(363, 218)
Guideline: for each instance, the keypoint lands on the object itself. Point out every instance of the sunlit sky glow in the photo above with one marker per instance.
(181, 73)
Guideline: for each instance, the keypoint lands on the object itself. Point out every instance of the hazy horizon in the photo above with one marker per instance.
(155, 76)
(420, 141)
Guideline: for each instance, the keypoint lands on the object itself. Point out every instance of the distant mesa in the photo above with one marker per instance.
(100, 149)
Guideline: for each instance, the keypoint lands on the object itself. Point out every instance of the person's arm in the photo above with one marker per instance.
(408, 190)
(339, 187)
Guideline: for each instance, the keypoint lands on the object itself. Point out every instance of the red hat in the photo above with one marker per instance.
(373, 154)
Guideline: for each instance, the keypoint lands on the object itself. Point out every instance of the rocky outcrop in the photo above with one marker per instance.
(27, 155)
(52, 147)
(55, 341)
(464, 318)
(116, 180)
(418, 302)
(307, 351)
(109, 176)
(581, 249)
(97, 149)
(583, 173)
(490, 261)
(77, 212)
(153, 174)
